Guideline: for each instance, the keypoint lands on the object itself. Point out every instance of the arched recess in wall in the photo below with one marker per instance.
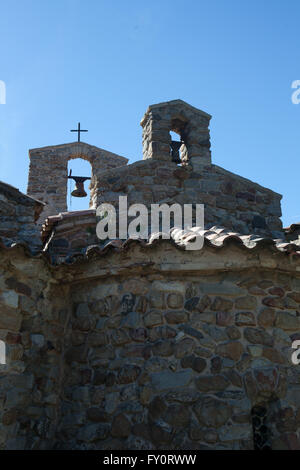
(268, 422)
(178, 149)
(80, 166)
(260, 426)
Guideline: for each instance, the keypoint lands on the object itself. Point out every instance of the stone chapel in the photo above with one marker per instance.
(143, 344)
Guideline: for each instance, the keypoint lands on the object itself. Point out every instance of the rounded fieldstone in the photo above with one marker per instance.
(295, 296)
(277, 291)
(83, 323)
(153, 318)
(93, 432)
(175, 300)
(286, 321)
(203, 352)
(233, 332)
(191, 304)
(162, 332)
(145, 395)
(276, 302)
(76, 354)
(187, 361)
(186, 396)
(129, 373)
(97, 415)
(216, 365)
(159, 435)
(212, 412)
(142, 304)
(224, 318)
(245, 319)
(248, 302)
(199, 364)
(176, 317)
(234, 378)
(121, 426)
(120, 337)
(97, 339)
(99, 377)
(184, 347)
(178, 415)
(257, 336)
(255, 290)
(221, 304)
(9, 417)
(138, 334)
(142, 430)
(157, 407)
(232, 350)
(273, 355)
(204, 304)
(266, 317)
(110, 379)
(213, 383)
(78, 338)
(156, 299)
(163, 348)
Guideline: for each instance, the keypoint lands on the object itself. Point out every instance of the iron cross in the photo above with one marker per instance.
(78, 130)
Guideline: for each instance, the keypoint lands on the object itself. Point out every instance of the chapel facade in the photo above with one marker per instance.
(143, 343)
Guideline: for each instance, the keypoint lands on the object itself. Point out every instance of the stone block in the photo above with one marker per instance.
(235, 432)
(233, 350)
(221, 304)
(287, 321)
(213, 383)
(168, 380)
(246, 303)
(212, 412)
(10, 299)
(184, 347)
(121, 426)
(245, 319)
(153, 318)
(266, 318)
(174, 317)
(93, 432)
(10, 319)
(175, 300)
(258, 336)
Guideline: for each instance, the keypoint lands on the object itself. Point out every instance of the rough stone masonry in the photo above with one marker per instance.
(143, 344)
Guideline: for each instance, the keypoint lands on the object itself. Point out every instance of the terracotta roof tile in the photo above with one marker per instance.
(217, 237)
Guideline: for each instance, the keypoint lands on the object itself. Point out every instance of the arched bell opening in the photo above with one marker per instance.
(178, 149)
(79, 179)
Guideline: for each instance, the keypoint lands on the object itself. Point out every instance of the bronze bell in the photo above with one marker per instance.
(175, 146)
(79, 190)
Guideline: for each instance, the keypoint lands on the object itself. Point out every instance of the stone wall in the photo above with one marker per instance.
(153, 348)
(229, 200)
(48, 171)
(33, 312)
(171, 352)
(18, 216)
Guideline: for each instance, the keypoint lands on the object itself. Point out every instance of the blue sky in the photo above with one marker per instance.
(103, 62)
